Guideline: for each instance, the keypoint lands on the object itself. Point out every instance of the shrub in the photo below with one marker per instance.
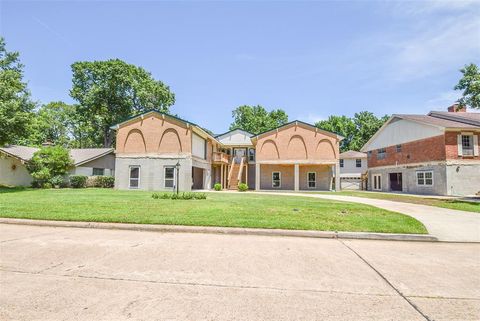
(57, 181)
(217, 187)
(105, 181)
(78, 181)
(242, 187)
(180, 196)
(47, 163)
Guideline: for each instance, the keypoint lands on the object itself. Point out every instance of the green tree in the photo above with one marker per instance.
(49, 162)
(470, 84)
(341, 125)
(256, 119)
(15, 103)
(112, 91)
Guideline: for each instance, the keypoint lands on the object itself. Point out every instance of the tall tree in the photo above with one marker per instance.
(15, 103)
(341, 125)
(113, 90)
(256, 119)
(470, 84)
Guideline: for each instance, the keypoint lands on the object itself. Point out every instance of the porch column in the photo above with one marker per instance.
(296, 177)
(337, 177)
(257, 176)
(221, 176)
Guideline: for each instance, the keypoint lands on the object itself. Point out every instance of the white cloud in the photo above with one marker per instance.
(443, 100)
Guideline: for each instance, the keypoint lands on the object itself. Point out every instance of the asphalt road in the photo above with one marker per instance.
(92, 274)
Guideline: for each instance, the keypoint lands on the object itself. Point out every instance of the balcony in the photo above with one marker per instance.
(220, 158)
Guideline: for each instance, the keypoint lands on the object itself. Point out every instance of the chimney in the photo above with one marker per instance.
(455, 108)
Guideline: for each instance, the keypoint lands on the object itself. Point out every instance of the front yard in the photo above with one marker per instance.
(423, 200)
(219, 209)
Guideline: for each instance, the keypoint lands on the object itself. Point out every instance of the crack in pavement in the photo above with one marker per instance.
(388, 282)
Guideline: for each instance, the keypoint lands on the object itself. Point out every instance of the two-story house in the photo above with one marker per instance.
(436, 153)
(353, 165)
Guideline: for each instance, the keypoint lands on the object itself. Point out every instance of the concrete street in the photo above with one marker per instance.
(52, 273)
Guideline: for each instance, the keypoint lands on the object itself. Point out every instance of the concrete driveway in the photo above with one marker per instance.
(443, 223)
(52, 273)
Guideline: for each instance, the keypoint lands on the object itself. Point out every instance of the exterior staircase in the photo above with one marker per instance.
(233, 182)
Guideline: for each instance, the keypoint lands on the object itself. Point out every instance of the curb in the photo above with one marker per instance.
(224, 230)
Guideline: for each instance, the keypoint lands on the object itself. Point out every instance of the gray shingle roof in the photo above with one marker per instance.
(352, 154)
(445, 119)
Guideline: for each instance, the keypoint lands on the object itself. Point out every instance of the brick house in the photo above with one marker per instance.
(156, 151)
(434, 154)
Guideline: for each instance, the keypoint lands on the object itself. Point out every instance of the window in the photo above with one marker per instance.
(98, 172)
(169, 177)
(251, 155)
(341, 163)
(358, 162)
(312, 179)
(377, 182)
(425, 178)
(276, 179)
(467, 145)
(381, 153)
(399, 148)
(134, 179)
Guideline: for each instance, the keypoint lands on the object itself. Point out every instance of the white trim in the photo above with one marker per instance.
(130, 174)
(279, 179)
(165, 176)
(424, 178)
(315, 181)
(379, 181)
(475, 145)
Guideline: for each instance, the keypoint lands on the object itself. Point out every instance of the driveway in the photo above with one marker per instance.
(443, 223)
(52, 273)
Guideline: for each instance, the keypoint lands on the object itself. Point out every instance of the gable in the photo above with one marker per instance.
(236, 137)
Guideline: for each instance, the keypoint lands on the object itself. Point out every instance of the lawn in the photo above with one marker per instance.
(219, 209)
(445, 203)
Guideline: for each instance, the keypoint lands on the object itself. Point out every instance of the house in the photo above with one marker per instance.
(437, 153)
(353, 165)
(87, 161)
(156, 151)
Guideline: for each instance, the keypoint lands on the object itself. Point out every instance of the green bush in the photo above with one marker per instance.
(78, 181)
(57, 181)
(242, 187)
(47, 163)
(217, 187)
(180, 196)
(104, 181)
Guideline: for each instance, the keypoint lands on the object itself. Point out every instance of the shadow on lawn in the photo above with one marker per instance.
(6, 189)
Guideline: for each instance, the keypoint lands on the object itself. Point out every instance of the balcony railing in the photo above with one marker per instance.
(219, 157)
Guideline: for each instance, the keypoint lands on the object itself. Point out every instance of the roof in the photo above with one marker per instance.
(79, 155)
(300, 122)
(352, 154)
(435, 120)
(463, 117)
(236, 130)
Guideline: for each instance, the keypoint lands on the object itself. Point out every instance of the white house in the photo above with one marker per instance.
(352, 165)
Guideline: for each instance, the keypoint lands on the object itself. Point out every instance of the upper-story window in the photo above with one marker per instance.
(467, 145)
(399, 148)
(251, 155)
(358, 162)
(381, 153)
(341, 163)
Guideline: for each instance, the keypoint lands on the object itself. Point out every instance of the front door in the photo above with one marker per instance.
(238, 153)
(396, 182)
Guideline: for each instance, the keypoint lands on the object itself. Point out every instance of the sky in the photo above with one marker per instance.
(311, 58)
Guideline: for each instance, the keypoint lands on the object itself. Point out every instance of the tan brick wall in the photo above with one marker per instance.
(154, 135)
(423, 150)
(287, 172)
(451, 148)
(297, 142)
(324, 176)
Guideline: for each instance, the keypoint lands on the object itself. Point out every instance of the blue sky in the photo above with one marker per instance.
(312, 59)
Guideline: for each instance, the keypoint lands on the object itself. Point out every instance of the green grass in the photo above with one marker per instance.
(445, 203)
(219, 209)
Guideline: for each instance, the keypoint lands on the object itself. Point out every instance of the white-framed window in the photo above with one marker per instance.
(341, 163)
(276, 179)
(134, 176)
(312, 179)
(467, 145)
(381, 153)
(251, 155)
(358, 162)
(98, 172)
(377, 182)
(425, 178)
(169, 180)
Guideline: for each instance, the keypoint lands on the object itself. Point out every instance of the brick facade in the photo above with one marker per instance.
(451, 148)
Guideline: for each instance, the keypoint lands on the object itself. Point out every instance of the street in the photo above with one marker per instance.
(50, 273)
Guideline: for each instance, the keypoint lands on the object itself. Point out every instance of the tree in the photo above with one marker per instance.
(111, 91)
(256, 119)
(15, 104)
(470, 84)
(341, 125)
(357, 130)
(49, 162)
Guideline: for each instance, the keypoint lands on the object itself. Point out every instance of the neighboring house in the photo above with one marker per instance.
(156, 151)
(353, 165)
(436, 153)
(87, 161)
